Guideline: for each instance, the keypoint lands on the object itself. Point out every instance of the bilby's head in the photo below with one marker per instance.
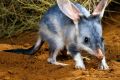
(88, 28)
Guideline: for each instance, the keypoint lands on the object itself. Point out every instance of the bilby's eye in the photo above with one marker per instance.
(102, 39)
(86, 40)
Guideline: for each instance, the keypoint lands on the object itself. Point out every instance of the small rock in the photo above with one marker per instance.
(10, 72)
(85, 73)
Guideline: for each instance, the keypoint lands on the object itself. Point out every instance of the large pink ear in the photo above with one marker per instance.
(100, 9)
(69, 9)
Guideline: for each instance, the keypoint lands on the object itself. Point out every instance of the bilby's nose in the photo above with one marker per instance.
(99, 54)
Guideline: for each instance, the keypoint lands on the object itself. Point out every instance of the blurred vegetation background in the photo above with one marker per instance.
(17, 16)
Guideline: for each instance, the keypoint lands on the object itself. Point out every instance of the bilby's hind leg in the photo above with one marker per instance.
(55, 48)
(52, 57)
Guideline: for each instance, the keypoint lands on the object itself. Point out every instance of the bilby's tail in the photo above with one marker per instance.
(29, 51)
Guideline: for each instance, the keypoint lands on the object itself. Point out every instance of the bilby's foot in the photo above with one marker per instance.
(61, 64)
(51, 61)
(104, 65)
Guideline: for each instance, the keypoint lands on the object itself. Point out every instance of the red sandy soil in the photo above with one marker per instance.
(26, 67)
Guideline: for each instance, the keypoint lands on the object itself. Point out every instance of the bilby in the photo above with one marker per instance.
(71, 25)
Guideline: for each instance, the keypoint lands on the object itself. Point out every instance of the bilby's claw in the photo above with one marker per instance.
(61, 64)
(56, 63)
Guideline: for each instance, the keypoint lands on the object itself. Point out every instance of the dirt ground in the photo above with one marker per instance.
(26, 67)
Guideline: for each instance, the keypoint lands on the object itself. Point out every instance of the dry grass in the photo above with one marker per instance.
(17, 16)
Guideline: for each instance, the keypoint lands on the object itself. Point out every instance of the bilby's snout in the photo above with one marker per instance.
(99, 54)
